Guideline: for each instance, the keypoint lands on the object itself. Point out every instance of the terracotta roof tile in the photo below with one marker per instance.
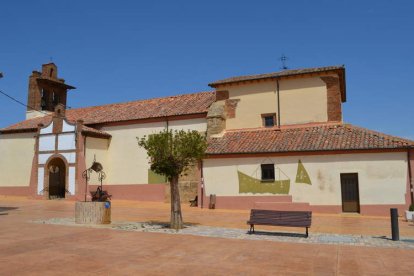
(283, 73)
(313, 138)
(185, 104)
(89, 131)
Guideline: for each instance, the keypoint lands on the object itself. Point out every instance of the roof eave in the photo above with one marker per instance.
(340, 71)
(312, 151)
(57, 83)
(177, 117)
(96, 135)
(20, 130)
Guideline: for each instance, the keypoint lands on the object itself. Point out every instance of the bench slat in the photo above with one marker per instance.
(281, 218)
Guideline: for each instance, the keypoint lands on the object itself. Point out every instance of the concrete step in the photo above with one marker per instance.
(245, 202)
(283, 206)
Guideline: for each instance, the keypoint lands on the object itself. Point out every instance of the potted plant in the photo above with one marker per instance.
(409, 215)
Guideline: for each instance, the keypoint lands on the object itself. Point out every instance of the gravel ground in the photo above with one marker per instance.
(228, 233)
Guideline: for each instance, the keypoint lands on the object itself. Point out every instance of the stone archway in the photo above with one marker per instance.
(56, 171)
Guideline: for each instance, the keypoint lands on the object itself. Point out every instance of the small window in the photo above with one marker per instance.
(268, 172)
(269, 120)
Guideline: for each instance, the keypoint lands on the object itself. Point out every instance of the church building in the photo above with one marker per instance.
(275, 141)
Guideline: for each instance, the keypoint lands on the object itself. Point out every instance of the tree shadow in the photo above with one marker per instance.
(280, 234)
(4, 209)
(166, 225)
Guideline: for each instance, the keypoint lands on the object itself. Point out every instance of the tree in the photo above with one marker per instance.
(171, 154)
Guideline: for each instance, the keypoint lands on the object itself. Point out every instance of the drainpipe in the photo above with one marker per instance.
(278, 102)
(410, 175)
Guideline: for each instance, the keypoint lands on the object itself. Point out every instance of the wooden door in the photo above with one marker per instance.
(57, 177)
(350, 192)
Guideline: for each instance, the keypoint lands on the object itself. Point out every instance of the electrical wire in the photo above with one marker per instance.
(25, 105)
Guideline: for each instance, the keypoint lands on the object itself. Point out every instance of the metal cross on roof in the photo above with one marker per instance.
(283, 59)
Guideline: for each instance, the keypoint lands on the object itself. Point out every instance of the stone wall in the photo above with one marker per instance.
(188, 185)
(216, 119)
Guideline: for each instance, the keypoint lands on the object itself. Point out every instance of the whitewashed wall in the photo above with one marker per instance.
(125, 162)
(97, 148)
(16, 157)
(382, 176)
(66, 142)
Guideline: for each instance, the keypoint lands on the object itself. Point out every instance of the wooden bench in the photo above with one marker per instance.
(280, 218)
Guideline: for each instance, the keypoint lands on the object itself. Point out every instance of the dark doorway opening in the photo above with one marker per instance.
(350, 192)
(57, 178)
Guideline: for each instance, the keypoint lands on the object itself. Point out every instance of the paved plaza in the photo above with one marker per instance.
(40, 238)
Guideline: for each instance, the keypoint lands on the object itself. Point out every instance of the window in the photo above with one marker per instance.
(268, 172)
(269, 120)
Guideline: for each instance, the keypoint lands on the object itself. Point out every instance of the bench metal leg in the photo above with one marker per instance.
(251, 231)
(307, 234)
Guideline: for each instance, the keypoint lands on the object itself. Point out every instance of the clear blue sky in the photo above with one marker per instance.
(115, 51)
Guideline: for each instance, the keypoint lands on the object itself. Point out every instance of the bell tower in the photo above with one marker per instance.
(46, 91)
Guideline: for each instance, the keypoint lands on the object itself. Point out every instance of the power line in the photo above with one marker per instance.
(25, 105)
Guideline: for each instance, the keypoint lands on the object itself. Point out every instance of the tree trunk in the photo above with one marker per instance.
(176, 221)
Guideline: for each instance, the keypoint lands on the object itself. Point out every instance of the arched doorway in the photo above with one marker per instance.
(57, 178)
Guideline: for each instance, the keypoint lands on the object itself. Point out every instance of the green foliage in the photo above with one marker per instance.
(172, 152)
(411, 208)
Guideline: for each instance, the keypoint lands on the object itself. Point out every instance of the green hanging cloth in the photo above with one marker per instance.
(302, 175)
(248, 184)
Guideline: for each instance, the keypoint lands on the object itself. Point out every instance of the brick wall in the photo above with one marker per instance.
(230, 108)
(334, 105)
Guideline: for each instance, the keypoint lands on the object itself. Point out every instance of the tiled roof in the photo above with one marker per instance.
(186, 104)
(283, 73)
(313, 138)
(89, 131)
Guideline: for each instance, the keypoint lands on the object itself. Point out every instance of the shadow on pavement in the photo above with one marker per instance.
(165, 224)
(4, 209)
(281, 234)
(383, 238)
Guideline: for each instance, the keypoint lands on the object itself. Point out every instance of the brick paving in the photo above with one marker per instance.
(28, 248)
